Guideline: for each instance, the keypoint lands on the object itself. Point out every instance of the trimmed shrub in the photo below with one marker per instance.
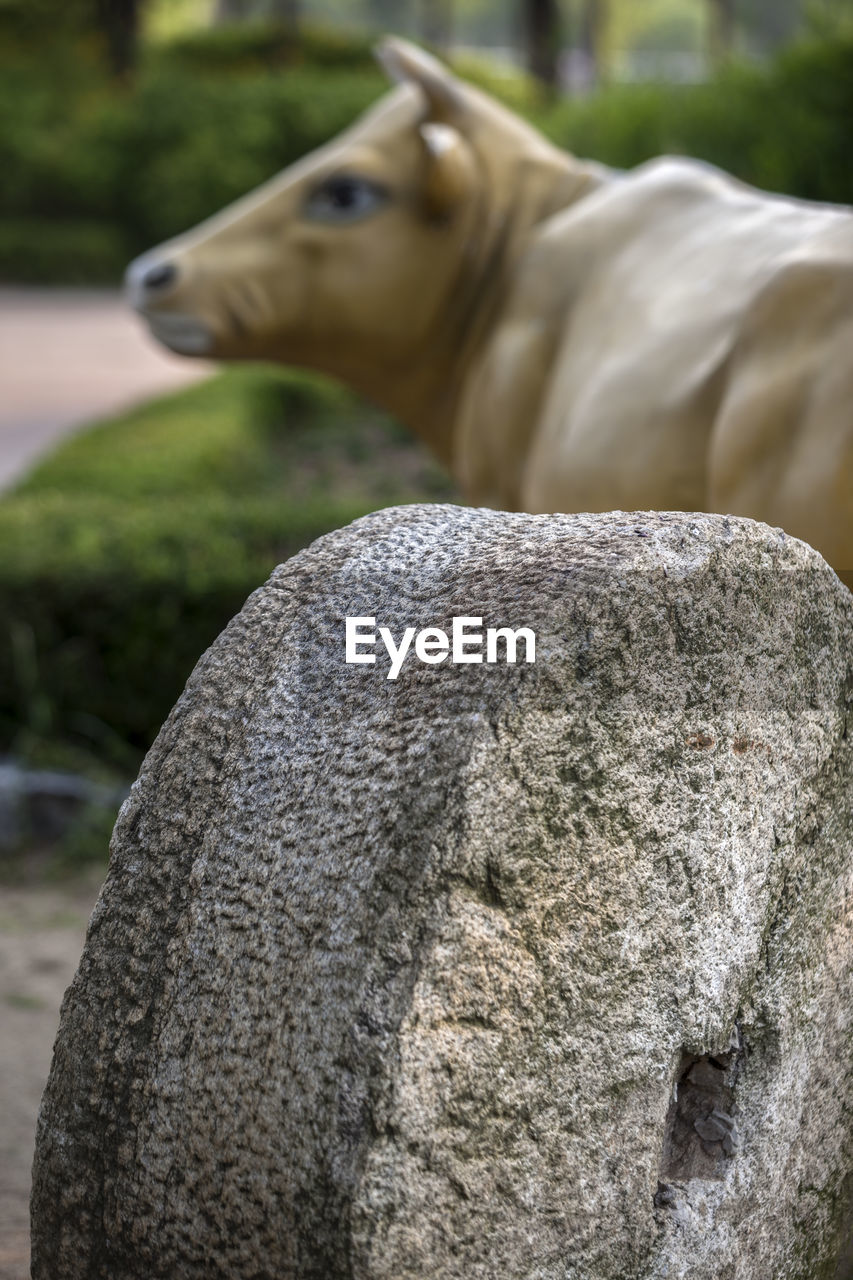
(107, 606)
(128, 550)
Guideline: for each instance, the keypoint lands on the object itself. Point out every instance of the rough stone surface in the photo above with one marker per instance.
(490, 971)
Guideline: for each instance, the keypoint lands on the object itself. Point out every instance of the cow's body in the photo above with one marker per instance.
(565, 337)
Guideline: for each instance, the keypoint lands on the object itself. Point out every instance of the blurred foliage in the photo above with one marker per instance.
(785, 127)
(73, 251)
(24, 23)
(165, 19)
(656, 25)
(128, 550)
(516, 89)
(254, 47)
(95, 172)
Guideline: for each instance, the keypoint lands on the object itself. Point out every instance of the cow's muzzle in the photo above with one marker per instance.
(149, 280)
(150, 283)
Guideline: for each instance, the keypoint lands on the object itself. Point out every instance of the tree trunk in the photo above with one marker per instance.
(541, 19)
(285, 11)
(593, 22)
(437, 23)
(232, 10)
(721, 29)
(119, 22)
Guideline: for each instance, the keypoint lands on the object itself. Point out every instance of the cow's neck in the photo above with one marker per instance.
(423, 388)
(538, 187)
(425, 393)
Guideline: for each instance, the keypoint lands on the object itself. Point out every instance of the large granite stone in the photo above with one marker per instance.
(534, 970)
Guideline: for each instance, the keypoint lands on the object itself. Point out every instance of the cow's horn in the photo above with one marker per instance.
(403, 61)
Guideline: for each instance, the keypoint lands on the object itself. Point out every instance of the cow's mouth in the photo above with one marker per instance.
(181, 333)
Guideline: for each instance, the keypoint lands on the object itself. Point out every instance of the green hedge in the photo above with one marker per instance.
(785, 127)
(61, 251)
(149, 165)
(94, 172)
(106, 610)
(128, 550)
(252, 47)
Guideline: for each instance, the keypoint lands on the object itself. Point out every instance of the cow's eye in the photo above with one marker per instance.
(345, 198)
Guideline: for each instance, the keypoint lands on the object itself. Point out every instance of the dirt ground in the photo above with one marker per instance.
(41, 936)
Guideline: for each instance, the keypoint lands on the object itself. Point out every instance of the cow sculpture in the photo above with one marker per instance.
(565, 337)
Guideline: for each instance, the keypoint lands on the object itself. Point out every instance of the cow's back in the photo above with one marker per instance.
(782, 446)
(649, 285)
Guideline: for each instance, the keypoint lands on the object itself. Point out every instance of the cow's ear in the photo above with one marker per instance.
(450, 173)
(405, 62)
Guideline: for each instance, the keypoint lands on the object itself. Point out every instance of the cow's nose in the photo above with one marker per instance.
(147, 279)
(160, 275)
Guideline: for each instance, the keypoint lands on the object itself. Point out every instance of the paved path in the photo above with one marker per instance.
(67, 358)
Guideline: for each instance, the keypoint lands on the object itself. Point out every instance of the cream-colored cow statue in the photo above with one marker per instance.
(565, 337)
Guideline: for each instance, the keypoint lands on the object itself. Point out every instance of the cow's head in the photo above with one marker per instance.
(354, 247)
(379, 258)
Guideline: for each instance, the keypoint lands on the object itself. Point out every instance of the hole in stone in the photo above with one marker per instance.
(491, 888)
(701, 1130)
